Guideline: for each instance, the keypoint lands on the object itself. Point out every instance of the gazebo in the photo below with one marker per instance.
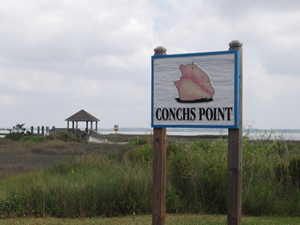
(82, 116)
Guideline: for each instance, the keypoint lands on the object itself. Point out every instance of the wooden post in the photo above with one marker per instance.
(38, 130)
(234, 198)
(159, 168)
(43, 130)
(31, 129)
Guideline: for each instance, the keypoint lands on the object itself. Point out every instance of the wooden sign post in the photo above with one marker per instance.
(234, 198)
(198, 90)
(159, 168)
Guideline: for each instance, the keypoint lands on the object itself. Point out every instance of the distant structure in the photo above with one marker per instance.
(82, 116)
(18, 129)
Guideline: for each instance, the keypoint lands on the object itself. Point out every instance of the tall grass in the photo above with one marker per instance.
(94, 185)
(32, 153)
(112, 185)
(268, 174)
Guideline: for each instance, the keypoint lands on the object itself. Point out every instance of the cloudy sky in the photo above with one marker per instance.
(60, 56)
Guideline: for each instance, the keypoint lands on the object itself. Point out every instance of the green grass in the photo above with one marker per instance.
(27, 155)
(93, 185)
(171, 219)
(72, 179)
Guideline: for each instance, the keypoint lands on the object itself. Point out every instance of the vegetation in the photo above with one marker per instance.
(171, 219)
(106, 180)
(21, 154)
(62, 136)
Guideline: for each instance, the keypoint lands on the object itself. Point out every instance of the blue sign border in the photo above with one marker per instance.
(236, 89)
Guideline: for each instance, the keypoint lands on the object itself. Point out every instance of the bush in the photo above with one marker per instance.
(138, 141)
(63, 136)
(103, 184)
(288, 171)
(197, 182)
(141, 154)
(294, 170)
(88, 186)
(14, 137)
(34, 138)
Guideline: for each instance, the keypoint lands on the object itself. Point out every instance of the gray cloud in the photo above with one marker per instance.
(58, 57)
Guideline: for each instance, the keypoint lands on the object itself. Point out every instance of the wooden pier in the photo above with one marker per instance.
(45, 131)
(40, 130)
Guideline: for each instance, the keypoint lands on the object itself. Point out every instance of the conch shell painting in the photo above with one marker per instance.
(194, 85)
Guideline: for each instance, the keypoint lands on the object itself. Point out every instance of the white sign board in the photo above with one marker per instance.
(195, 90)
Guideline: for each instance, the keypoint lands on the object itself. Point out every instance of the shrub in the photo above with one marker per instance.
(278, 147)
(63, 136)
(34, 138)
(138, 141)
(197, 182)
(179, 171)
(110, 185)
(14, 137)
(141, 154)
(294, 170)
(174, 148)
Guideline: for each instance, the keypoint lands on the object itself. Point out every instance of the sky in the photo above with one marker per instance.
(60, 56)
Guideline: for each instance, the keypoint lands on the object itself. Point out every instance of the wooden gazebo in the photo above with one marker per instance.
(82, 116)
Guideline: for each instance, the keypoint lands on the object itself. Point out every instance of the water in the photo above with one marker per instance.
(254, 135)
(293, 135)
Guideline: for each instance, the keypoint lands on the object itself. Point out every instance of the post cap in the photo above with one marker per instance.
(235, 44)
(160, 50)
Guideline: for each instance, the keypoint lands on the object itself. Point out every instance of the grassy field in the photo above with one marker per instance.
(62, 177)
(171, 219)
(38, 153)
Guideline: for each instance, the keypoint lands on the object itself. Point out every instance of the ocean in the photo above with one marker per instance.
(254, 134)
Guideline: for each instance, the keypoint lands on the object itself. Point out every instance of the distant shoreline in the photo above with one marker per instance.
(253, 134)
(140, 129)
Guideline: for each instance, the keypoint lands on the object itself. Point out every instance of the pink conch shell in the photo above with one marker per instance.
(194, 83)
(189, 90)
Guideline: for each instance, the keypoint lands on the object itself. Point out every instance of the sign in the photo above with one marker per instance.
(195, 90)
(116, 128)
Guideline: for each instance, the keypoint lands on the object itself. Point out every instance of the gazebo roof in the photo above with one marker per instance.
(82, 115)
